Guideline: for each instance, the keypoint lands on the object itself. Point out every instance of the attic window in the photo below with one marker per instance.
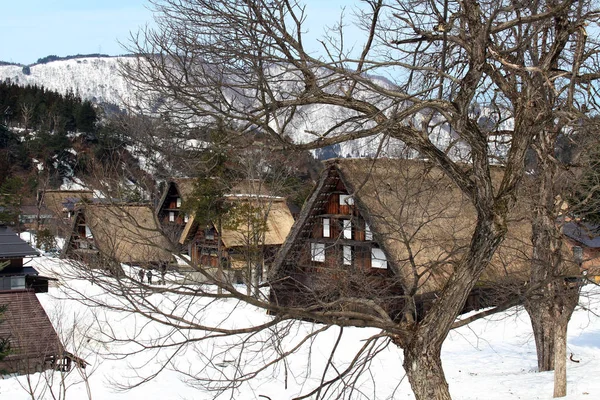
(346, 200)
(209, 234)
(317, 252)
(326, 228)
(171, 216)
(88, 232)
(178, 202)
(378, 259)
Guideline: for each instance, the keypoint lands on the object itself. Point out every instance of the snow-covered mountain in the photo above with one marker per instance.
(98, 79)
(94, 78)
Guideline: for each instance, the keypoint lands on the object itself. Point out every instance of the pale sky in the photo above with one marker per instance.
(32, 29)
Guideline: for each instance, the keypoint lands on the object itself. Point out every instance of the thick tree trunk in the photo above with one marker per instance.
(423, 366)
(543, 332)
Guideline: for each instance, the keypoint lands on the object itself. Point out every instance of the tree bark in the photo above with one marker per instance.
(543, 332)
(560, 358)
(423, 366)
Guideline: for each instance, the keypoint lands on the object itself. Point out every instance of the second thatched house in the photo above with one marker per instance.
(247, 235)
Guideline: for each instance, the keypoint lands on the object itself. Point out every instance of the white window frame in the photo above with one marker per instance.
(186, 218)
(178, 202)
(326, 227)
(317, 252)
(347, 255)
(346, 200)
(368, 233)
(171, 216)
(378, 258)
(88, 233)
(347, 231)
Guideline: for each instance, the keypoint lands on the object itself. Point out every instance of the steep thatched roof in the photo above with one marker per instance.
(31, 334)
(127, 233)
(277, 220)
(244, 188)
(185, 187)
(54, 199)
(421, 220)
(269, 216)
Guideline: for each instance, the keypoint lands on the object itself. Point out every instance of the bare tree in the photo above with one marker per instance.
(480, 75)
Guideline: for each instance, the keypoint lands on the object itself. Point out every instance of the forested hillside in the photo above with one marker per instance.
(48, 139)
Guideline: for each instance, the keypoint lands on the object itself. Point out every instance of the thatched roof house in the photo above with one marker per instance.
(123, 233)
(391, 230)
(255, 219)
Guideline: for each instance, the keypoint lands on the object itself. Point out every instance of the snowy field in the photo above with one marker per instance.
(489, 359)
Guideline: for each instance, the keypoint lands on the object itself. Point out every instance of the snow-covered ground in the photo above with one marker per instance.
(489, 359)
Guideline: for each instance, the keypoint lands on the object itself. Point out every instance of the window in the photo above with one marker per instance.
(171, 216)
(17, 282)
(317, 252)
(88, 232)
(368, 233)
(326, 228)
(378, 259)
(209, 234)
(186, 218)
(346, 200)
(347, 252)
(347, 229)
(178, 202)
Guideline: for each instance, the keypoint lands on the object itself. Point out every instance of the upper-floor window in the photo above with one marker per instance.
(88, 232)
(171, 216)
(368, 233)
(317, 252)
(346, 200)
(347, 229)
(378, 259)
(178, 202)
(326, 228)
(186, 218)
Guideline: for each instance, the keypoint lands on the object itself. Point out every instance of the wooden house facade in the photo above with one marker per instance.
(34, 344)
(389, 231)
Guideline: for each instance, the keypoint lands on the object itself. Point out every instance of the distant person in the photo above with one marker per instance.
(163, 272)
(149, 276)
(141, 275)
